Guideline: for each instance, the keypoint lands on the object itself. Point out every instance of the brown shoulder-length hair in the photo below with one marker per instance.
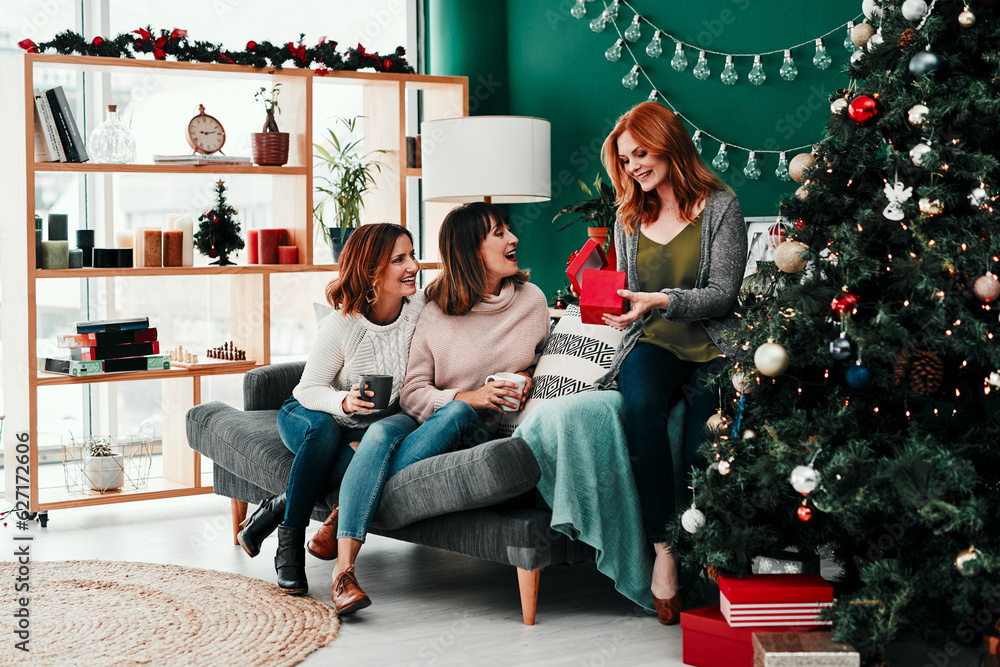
(362, 265)
(659, 131)
(463, 281)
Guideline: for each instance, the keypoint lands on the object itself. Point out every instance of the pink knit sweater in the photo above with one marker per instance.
(449, 354)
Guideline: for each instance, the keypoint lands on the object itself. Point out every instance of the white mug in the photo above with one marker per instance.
(519, 380)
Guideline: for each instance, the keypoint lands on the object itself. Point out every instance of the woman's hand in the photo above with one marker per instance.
(493, 396)
(354, 402)
(527, 387)
(642, 302)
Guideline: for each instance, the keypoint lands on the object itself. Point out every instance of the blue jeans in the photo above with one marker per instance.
(322, 453)
(650, 379)
(390, 445)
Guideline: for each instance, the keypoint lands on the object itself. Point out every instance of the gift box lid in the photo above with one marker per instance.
(710, 621)
(775, 588)
(590, 256)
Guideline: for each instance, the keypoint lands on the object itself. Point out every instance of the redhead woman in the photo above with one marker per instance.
(482, 317)
(681, 240)
(377, 306)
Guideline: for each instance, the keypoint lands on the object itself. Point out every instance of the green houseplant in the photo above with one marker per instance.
(270, 146)
(103, 469)
(348, 176)
(597, 210)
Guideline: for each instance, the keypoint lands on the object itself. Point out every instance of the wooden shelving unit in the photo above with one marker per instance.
(385, 108)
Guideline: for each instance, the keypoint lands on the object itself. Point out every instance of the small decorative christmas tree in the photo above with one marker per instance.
(218, 230)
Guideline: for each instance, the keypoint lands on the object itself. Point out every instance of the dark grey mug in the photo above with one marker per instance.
(381, 385)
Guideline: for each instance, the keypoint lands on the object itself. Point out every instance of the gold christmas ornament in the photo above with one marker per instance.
(966, 19)
(771, 359)
(718, 423)
(801, 192)
(788, 256)
(965, 559)
(930, 206)
(799, 164)
(861, 33)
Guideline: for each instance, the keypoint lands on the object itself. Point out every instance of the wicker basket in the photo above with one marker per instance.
(127, 468)
(270, 148)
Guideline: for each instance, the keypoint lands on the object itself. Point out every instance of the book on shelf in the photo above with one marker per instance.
(100, 338)
(201, 159)
(101, 352)
(113, 325)
(47, 124)
(69, 134)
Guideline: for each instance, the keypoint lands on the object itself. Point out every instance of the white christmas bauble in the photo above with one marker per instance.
(871, 9)
(838, 105)
(741, 384)
(856, 56)
(749, 434)
(801, 192)
(930, 206)
(788, 256)
(994, 379)
(916, 114)
(966, 19)
(918, 152)
(692, 519)
(876, 41)
(771, 359)
(987, 288)
(804, 479)
(978, 197)
(914, 10)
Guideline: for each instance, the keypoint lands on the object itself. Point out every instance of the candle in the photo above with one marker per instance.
(55, 254)
(107, 257)
(38, 248)
(186, 225)
(123, 257)
(252, 247)
(152, 247)
(137, 250)
(85, 238)
(268, 251)
(288, 254)
(124, 240)
(172, 219)
(173, 247)
(58, 227)
(75, 258)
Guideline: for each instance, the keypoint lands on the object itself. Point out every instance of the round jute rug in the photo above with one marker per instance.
(98, 613)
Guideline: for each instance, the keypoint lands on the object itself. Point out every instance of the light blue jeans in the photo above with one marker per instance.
(390, 445)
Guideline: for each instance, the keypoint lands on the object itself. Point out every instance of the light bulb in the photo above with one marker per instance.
(679, 62)
(721, 161)
(579, 9)
(654, 49)
(788, 70)
(697, 140)
(631, 80)
(729, 75)
(633, 32)
(757, 76)
(614, 52)
(653, 95)
(613, 10)
(848, 42)
(701, 70)
(822, 59)
(782, 171)
(752, 170)
(597, 25)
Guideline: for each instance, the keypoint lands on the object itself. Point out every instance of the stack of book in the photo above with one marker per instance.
(202, 159)
(108, 346)
(57, 138)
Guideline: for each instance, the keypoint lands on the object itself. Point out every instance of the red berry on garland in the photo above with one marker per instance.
(322, 71)
(215, 219)
(863, 110)
(804, 513)
(843, 302)
(387, 64)
(251, 45)
(98, 41)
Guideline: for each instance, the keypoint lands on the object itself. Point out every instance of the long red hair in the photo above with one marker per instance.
(658, 131)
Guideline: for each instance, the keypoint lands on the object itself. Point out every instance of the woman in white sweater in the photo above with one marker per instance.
(377, 306)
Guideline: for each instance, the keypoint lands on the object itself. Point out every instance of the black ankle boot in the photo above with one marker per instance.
(290, 560)
(261, 523)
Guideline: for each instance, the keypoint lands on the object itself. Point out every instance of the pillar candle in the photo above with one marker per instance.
(137, 252)
(172, 219)
(124, 240)
(252, 247)
(288, 254)
(268, 251)
(107, 257)
(75, 258)
(58, 227)
(186, 225)
(152, 247)
(124, 257)
(85, 238)
(55, 254)
(173, 247)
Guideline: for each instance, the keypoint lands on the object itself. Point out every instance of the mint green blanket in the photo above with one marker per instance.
(579, 442)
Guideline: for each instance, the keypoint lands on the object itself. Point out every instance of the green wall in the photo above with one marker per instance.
(532, 58)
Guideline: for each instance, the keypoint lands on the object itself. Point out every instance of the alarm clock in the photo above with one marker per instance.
(205, 133)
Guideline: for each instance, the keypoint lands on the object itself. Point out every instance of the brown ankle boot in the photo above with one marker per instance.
(323, 544)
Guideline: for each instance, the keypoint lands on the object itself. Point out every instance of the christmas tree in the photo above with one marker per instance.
(218, 230)
(868, 425)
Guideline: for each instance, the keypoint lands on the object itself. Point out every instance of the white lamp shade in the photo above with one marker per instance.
(506, 158)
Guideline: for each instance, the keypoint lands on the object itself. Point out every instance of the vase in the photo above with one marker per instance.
(270, 149)
(104, 473)
(337, 240)
(600, 234)
(111, 142)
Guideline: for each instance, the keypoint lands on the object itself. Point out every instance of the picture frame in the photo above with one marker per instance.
(757, 247)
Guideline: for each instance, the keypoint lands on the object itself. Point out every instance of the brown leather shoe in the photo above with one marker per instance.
(347, 594)
(669, 611)
(323, 544)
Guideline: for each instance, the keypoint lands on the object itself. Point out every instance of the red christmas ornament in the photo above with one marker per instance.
(213, 252)
(387, 64)
(845, 301)
(775, 235)
(800, 224)
(804, 513)
(98, 41)
(251, 45)
(215, 219)
(863, 110)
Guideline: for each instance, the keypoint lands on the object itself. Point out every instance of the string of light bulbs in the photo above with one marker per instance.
(701, 71)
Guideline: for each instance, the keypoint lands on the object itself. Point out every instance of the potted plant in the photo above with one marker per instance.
(597, 210)
(270, 146)
(348, 176)
(103, 468)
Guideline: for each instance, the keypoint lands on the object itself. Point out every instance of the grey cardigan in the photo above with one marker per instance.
(720, 274)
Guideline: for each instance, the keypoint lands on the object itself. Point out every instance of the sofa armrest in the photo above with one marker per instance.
(267, 387)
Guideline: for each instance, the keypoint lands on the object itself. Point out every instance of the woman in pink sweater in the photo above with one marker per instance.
(482, 317)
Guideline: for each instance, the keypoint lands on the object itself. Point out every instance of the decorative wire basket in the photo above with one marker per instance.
(107, 464)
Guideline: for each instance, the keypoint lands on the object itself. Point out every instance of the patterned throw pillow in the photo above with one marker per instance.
(575, 355)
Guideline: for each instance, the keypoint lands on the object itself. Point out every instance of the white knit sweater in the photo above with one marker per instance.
(348, 346)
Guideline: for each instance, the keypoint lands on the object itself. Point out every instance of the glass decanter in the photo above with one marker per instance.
(111, 142)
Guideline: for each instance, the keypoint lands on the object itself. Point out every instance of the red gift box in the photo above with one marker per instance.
(590, 256)
(600, 295)
(709, 641)
(774, 599)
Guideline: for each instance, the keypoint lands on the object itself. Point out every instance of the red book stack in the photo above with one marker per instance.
(774, 599)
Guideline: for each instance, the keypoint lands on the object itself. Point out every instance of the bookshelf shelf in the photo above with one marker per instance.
(97, 168)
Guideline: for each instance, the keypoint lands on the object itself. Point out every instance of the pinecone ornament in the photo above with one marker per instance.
(926, 372)
(900, 367)
(960, 283)
(907, 38)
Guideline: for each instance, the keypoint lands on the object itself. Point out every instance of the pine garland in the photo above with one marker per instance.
(176, 45)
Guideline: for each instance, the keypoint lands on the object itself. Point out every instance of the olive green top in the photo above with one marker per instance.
(674, 265)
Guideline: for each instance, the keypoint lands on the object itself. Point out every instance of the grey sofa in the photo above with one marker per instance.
(478, 502)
